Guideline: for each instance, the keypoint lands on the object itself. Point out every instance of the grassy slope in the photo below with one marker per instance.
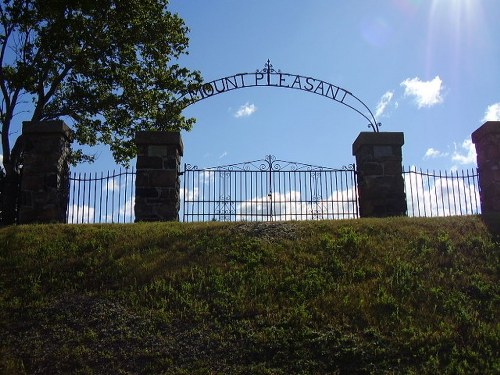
(361, 296)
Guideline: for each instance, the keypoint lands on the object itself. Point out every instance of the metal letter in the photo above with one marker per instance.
(223, 86)
(207, 89)
(345, 94)
(196, 95)
(258, 77)
(296, 81)
(318, 87)
(283, 80)
(242, 77)
(228, 82)
(309, 84)
(330, 90)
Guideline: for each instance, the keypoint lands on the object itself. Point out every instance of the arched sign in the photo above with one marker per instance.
(275, 78)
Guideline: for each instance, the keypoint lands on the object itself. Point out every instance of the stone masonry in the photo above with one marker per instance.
(157, 196)
(45, 174)
(487, 142)
(380, 174)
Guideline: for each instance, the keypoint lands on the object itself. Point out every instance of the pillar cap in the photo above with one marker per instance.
(47, 127)
(488, 128)
(159, 138)
(378, 139)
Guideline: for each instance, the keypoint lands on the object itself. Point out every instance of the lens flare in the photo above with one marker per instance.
(454, 29)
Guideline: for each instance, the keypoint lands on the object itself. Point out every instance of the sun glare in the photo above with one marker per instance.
(456, 12)
(454, 25)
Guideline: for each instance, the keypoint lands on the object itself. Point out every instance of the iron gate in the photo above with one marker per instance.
(268, 190)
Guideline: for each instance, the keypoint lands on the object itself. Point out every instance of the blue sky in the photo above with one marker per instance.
(428, 68)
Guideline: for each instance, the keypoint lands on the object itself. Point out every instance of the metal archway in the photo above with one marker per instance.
(270, 77)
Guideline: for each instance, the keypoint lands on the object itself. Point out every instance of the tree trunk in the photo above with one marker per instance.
(10, 191)
(10, 184)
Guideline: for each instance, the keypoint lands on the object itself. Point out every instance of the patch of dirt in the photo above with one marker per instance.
(268, 230)
(95, 335)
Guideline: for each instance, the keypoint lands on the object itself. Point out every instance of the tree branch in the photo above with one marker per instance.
(3, 86)
(7, 116)
(43, 98)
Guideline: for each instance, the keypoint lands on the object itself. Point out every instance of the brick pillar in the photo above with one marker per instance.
(487, 142)
(380, 174)
(157, 183)
(45, 174)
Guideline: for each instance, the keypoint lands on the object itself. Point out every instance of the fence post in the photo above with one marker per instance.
(157, 194)
(45, 173)
(487, 142)
(380, 174)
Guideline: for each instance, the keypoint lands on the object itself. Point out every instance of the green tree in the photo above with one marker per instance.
(109, 68)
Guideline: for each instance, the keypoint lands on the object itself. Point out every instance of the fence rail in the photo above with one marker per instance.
(102, 198)
(432, 193)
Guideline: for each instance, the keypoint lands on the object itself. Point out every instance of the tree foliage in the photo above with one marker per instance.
(108, 67)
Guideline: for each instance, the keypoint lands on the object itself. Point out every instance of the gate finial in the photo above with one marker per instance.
(268, 68)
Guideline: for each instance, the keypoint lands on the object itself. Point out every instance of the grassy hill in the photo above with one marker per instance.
(360, 296)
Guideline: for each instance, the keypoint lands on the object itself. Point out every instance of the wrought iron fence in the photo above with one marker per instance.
(268, 190)
(441, 193)
(102, 198)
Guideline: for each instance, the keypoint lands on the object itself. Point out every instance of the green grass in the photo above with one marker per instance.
(396, 295)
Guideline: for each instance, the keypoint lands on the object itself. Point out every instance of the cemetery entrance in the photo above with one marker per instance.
(268, 190)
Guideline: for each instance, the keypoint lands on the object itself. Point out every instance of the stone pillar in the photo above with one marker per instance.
(380, 174)
(45, 173)
(157, 194)
(487, 142)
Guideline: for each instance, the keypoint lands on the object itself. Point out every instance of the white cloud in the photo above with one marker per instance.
(426, 93)
(292, 206)
(466, 154)
(1, 161)
(190, 195)
(492, 113)
(111, 185)
(383, 103)
(432, 153)
(245, 110)
(123, 213)
(223, 155)
(78, 214)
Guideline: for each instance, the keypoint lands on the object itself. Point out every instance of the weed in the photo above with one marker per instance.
(444, 243)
